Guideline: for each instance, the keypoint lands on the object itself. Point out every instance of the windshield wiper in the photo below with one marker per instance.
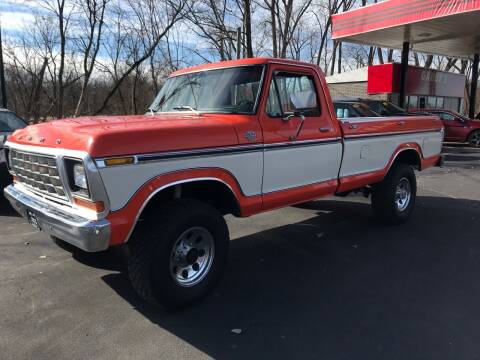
(185, 107)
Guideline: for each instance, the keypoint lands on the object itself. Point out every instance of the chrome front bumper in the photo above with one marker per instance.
(85, 234)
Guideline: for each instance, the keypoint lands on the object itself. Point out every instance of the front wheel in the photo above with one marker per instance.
(393, 200)
(474, 138)
(178, 253)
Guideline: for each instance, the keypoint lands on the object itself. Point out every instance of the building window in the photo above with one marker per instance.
(412, 102)
(440, 103)
(432, 102)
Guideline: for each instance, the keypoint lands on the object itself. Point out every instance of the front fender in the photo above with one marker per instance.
(124, 220)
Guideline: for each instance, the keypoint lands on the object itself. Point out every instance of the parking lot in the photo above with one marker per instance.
(320, 280)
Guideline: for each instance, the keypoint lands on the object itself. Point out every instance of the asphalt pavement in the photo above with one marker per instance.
(322, 280)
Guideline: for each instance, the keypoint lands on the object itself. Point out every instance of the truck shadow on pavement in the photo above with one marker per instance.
(5, 208)
(338, 285)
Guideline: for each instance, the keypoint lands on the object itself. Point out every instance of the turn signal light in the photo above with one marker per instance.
(97, 206)
(119, 161)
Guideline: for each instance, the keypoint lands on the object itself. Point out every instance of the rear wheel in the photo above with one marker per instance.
(178, 253)
(393, 200)
(474, 138)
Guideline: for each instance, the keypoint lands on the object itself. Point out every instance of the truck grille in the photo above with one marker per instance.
(37, 172)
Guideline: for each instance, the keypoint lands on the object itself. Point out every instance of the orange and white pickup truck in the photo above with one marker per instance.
(236, 137)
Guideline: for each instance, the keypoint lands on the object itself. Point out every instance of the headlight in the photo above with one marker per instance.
(79, 176)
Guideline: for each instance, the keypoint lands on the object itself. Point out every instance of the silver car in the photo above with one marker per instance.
(9, 122)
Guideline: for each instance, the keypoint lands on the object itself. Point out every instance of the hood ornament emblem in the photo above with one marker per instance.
(29, 138)
(58, 141)
(42, 139)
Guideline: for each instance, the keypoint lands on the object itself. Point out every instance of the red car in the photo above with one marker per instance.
(458, 128)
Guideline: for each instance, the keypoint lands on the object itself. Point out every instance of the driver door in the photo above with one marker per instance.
(454, 127)
(302, 144)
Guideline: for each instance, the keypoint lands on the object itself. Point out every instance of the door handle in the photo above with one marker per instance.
(401, 123)
(324, 129)
(353, 126)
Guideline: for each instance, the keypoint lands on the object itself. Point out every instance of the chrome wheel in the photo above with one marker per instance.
(192, 256)
(403, 193)
(474, 139)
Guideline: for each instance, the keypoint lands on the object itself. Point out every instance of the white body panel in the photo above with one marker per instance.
(122, 182)
(292, 167)
(364, 155)
(270, 169)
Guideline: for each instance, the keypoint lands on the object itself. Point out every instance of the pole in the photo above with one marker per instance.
(3, 89)
(403, 73)
(473, 89)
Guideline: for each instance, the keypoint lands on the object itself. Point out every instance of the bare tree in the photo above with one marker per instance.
(93, 11)
(152, 21)
(245, 7)
(326, 9)
(61, 11)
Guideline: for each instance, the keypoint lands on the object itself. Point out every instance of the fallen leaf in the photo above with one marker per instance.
(236, 331)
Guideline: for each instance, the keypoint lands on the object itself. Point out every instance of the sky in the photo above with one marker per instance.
(15, 15)
(18, 15)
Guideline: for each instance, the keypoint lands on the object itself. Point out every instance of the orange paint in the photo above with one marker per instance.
(123, 136)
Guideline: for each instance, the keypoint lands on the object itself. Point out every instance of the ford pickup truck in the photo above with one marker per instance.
(236, 137)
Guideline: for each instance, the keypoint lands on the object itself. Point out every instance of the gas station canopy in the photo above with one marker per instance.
(441, 27)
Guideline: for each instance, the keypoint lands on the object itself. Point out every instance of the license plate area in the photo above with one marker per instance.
(32, 219)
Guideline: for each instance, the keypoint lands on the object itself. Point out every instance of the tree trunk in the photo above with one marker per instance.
(371, 54)
(333, 60)
(248, 27)
(36, 93)
(274, 28)
(339, 67)
(390, 55)
(61, 67)
(286, 30)
(415, 58)
(429, 61)
(380, 55)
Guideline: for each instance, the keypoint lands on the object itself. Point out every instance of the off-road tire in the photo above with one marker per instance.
(151, 247)
(384, 193)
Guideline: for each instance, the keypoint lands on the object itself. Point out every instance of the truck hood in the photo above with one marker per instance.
(103, 136)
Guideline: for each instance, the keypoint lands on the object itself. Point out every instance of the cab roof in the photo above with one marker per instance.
(242, 62)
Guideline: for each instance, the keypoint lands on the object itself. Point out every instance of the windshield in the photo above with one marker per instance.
(350, 110)
(230, 90)
(385, 108)
(9, 122)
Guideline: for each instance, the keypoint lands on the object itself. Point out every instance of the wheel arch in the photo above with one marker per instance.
(476, 130)
(408, 155)
(199, 188)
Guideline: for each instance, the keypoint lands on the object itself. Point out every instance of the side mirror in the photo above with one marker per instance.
(300, 115)
(296, 113)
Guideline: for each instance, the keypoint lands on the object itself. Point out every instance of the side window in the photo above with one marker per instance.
(292, 92)
(340, 113)
(446, 116)
(343, 111)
